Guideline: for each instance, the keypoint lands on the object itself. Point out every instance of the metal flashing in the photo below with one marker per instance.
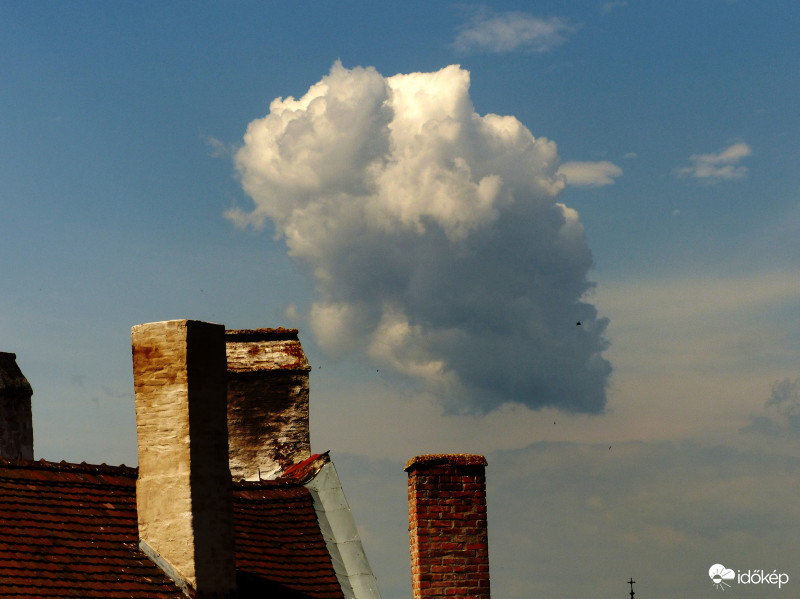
(341, 535)
(166, 568)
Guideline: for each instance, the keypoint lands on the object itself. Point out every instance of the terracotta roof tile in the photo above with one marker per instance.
(70, 530)
(307, 469)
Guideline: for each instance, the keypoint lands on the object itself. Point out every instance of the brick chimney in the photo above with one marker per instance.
(183, 493)
(16, 422)
(267, 402)
(447, 526)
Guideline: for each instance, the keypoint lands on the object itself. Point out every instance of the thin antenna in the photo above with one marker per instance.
(632, 582)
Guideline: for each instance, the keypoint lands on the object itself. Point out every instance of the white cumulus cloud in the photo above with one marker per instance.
(721, 166)
(433, 235)
(511, 31)
(590, 174)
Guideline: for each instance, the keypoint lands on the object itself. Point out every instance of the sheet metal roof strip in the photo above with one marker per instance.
(341, 536)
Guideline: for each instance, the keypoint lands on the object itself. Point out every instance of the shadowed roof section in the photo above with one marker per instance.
(70, 530)
(279, 546)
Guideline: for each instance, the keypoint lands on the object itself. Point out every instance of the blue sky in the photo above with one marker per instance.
(650, 149)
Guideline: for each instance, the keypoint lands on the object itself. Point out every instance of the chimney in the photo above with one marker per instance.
(16, 422)
(447, 526)
(267, 402)
(184, 496)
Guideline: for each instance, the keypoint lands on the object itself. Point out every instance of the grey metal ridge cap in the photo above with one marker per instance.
(341, 535)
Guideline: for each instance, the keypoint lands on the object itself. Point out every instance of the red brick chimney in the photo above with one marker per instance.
(184, 496)
(447, 526)
(16, 423)
(267, 402)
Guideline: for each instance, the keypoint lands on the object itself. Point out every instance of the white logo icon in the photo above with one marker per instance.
(719, 574)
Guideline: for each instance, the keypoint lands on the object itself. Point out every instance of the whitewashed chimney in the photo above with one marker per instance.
(268, 428)
(183, 492)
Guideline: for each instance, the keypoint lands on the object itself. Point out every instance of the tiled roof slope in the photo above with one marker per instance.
(70, 530)
(279, 546)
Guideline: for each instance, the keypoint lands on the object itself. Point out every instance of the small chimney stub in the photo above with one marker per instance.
(16, 421)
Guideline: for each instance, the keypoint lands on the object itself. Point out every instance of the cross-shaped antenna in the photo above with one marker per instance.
(632, 582)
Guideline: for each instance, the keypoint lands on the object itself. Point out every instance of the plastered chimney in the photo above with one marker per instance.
(183, 493)
(447, 526)
(267, 402)
(16, 423)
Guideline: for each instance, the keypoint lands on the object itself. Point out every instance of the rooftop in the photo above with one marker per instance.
(70, 530)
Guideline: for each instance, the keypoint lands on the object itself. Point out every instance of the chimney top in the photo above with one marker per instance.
(11, 377)
(263, 334)
(16, 422)
(453, 459)
(252, 350)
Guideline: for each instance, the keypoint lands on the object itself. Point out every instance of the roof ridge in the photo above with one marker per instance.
(267, 482)
(64, 466)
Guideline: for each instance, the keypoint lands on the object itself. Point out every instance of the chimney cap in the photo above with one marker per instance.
(11, 377)
(264, 334)
(251, 350)
(453, 459)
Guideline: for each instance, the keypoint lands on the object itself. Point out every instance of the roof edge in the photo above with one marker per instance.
(64, 466)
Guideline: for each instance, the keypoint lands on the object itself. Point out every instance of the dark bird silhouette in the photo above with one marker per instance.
(577, 324)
